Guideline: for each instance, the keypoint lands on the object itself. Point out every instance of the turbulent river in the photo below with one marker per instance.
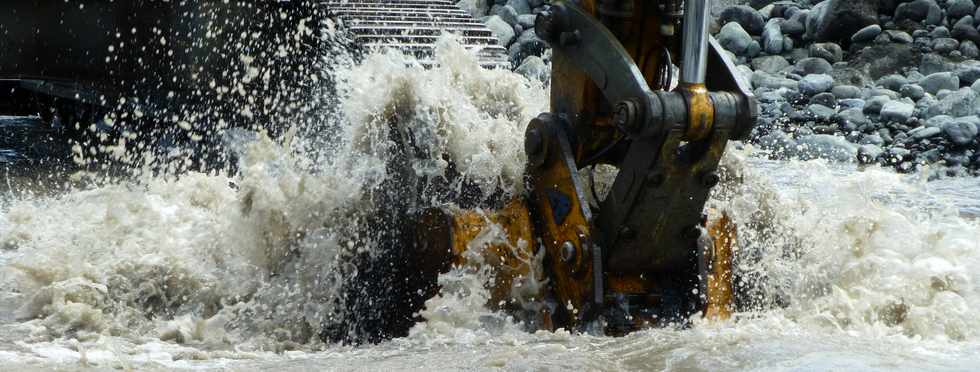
(855, 268)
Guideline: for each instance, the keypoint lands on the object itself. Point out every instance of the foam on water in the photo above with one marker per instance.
(845, 270)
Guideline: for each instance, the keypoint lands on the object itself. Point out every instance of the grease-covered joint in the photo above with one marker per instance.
(700, 111)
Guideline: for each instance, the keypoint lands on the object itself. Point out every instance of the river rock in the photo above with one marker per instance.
(770, 64)
(846, 91)
(969, 49)
(750, 19)
(826, 99)
(933, 63)
(534, 68)
(794, 25)
(828, 51)
(961, 131)
(874, 104)
(964, 30)
(520, 6)
(772, 37)
(956, 9)
(913, 91)
(922, 133)
(847, 103)
(939, 32)
(893, 81)
(507, 13)
(968, 72)
(852, 118)
(945, 45)
(761, 79)
(869, 153)
(526, 20)
(821, 112)
(779, 144)
(956, 104)
(935, 82)
(827, 147)
(812, 65)
(838, 20)
(734, 38)
(527, 44)
(815, 83)
(476, 8)
(897, 111)
(925, 11)
(866, 34)
(898, 36)
(503, 31)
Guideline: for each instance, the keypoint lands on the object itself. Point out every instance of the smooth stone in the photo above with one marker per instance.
(922, 133)
(851, 103)
(892, 82)
(770, 64)
(933, 63)
(828, 51)
(815, 83)
(778, 143)
(821, 112)
(812, 65)
(772, 37)
(939, 32)
(969, 49)
(507, 13)
(846, 91)
(503, 31)
(956, 9)
(956, 104)
(900, 37)
(749, 18)
(912, 91)
(866, 34)
(968, 72)
(869, 153)
(925, 11)
(734, 38)
(853, 117)
(896, 110)
(827, 147)
(534, 68)
(520, 6)
(962, 131)
(763, 80)
(874, 104)
(826, 99)
(935, 82)
(945, 45)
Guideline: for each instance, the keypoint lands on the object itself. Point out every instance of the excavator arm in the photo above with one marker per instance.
(648, 255)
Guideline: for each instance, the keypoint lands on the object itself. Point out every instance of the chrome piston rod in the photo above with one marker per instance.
(695, 42)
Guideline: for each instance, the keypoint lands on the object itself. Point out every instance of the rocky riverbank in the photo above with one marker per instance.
(870, 81)
(858, 80)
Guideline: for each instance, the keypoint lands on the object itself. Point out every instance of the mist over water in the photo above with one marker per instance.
(844, 268)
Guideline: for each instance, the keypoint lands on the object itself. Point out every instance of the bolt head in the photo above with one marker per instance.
(568, 251)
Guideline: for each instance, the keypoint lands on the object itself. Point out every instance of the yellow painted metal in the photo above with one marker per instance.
(700, 111)
(720, 294)
(477, 240)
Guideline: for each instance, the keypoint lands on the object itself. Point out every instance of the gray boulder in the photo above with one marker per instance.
(794, 25)
(869, 153)
(866, 34)
(503, 31)
(874, 104)
(821, 112)
(961, 131)
(846, 91)
(893, 81)
(780, 144)
(897, 111)
(826, 146)
(527, 20)
(534, 68)
(925, 11)
(912, 91)
(770, 64)
(838, 20)
(956, 104)
(772, 37)
(945, 45)
(520, 6)
(968, 71)
(763, 80)
(898, 36)
(964, 30)
(826, 99)
(812, 65)
(528, 44)
(933, 63)
(507, 13)
(734, 38)
(956, 9)
(750, 19)
(828, 51)
(476, 8)
(847, 103)
(933, 83)
(922, 133)
(969, 49)
(815, 83)
(852, 118)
